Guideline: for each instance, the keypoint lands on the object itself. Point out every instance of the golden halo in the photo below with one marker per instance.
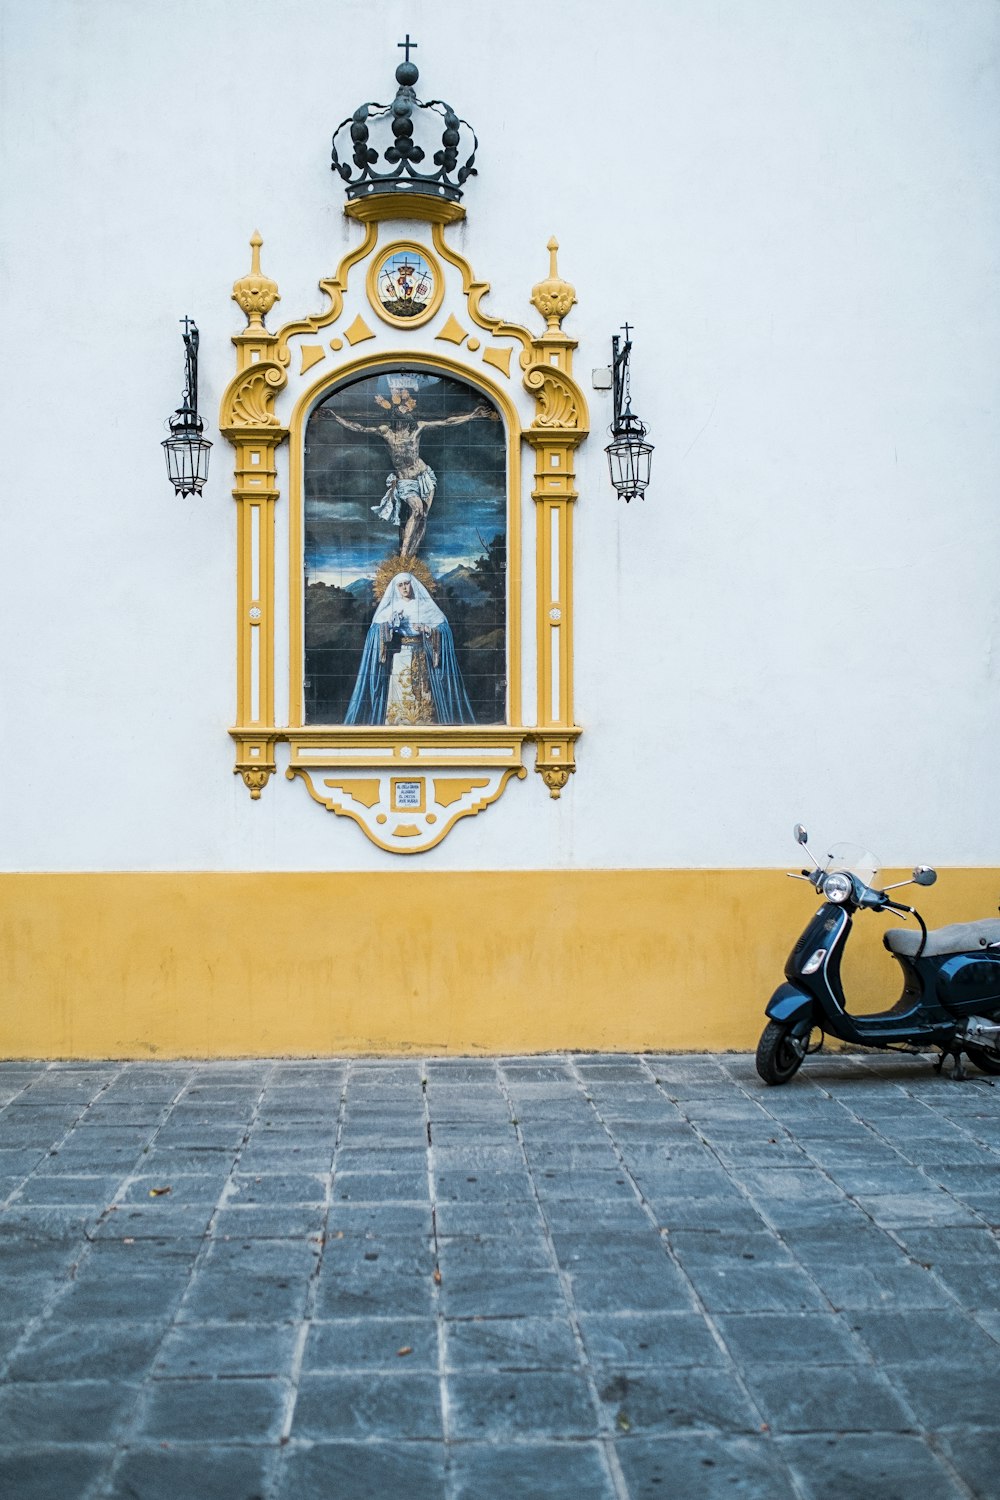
(402, 398)
(390, 566)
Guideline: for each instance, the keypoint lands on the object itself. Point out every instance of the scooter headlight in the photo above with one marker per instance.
(837, 887)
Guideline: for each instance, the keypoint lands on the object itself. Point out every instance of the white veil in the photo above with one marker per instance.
(412, 615)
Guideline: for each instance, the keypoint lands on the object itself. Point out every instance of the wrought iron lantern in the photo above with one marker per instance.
(185, 449)
(628, 452)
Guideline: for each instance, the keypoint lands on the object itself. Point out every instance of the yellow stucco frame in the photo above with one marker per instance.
(350, 770)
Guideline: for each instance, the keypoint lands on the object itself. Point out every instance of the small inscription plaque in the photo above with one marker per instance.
(408, 795)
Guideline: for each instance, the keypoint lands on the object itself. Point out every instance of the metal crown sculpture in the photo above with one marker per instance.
(401, 154)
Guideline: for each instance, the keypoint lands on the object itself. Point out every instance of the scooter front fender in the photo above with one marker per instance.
(790, 1004)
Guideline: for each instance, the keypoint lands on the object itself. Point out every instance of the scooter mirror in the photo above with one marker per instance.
(801, 837)
(924, 875)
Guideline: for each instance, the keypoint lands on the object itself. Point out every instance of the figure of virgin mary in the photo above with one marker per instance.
(409, 673)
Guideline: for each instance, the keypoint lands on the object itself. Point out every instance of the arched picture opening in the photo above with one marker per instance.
(405, 554)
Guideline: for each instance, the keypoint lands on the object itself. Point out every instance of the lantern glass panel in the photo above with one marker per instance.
(629, 463)
(187, 463)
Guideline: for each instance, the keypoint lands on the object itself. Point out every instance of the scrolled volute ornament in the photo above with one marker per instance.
(557, 395)
(249, 398)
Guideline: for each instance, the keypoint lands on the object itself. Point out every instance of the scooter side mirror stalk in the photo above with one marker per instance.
(922, 875)
(801, 837)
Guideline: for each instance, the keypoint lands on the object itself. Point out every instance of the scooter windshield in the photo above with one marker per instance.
(854, 860)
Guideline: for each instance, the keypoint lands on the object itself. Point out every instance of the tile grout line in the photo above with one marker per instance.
(103, 1477)
(840, 1312)
(444, 1391)
(667, 1249)
(298, 1356)
(24, 1089)
(762, 1215)
(87, 1241)
(605, 1436)
(818, 1166)
(147, 1387)
(856, 1340)
(930, 1438)
(878, 1135)
(54, 1150)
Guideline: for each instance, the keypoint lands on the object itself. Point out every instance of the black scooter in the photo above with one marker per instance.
(951, 978)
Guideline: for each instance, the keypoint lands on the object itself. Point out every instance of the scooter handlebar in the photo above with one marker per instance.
(905, 911)
(872, 900)
(866, 897)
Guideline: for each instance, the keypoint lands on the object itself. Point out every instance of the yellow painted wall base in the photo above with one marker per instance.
(214, 965)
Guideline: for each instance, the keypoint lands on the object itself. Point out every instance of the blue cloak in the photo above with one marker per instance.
(371, 690)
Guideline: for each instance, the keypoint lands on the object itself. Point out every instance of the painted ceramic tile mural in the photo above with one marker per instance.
(405, 554)
(406, 284)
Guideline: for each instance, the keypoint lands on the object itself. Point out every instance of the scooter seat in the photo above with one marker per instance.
(960, 937)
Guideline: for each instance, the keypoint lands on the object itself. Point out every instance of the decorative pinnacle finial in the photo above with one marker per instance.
(553, 297)
(256, 294)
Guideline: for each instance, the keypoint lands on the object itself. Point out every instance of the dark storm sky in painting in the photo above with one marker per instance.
(464, 547)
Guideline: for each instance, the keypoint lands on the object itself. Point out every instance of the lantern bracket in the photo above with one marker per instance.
(186, 449)
(628, 452)
(620, 373)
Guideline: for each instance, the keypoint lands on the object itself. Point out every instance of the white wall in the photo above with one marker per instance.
(796, 204)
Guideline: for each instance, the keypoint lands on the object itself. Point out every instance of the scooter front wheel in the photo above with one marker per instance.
(778, 1056)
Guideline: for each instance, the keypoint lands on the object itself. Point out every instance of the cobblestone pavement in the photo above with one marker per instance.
(583, 1276)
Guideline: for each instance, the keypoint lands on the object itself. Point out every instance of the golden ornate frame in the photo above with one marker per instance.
(353, 770)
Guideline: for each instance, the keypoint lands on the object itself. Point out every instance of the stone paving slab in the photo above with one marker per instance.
(606, 1277)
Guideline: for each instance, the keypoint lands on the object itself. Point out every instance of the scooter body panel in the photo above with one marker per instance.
(968, 983)
(790, 1004)
(922, 1027)
(924, 1023)
(826, 930)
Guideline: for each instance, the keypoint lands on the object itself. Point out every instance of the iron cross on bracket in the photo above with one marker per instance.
(407, 45)
(620, 372)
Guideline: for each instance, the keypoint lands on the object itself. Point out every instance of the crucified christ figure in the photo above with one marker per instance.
(412, 482)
